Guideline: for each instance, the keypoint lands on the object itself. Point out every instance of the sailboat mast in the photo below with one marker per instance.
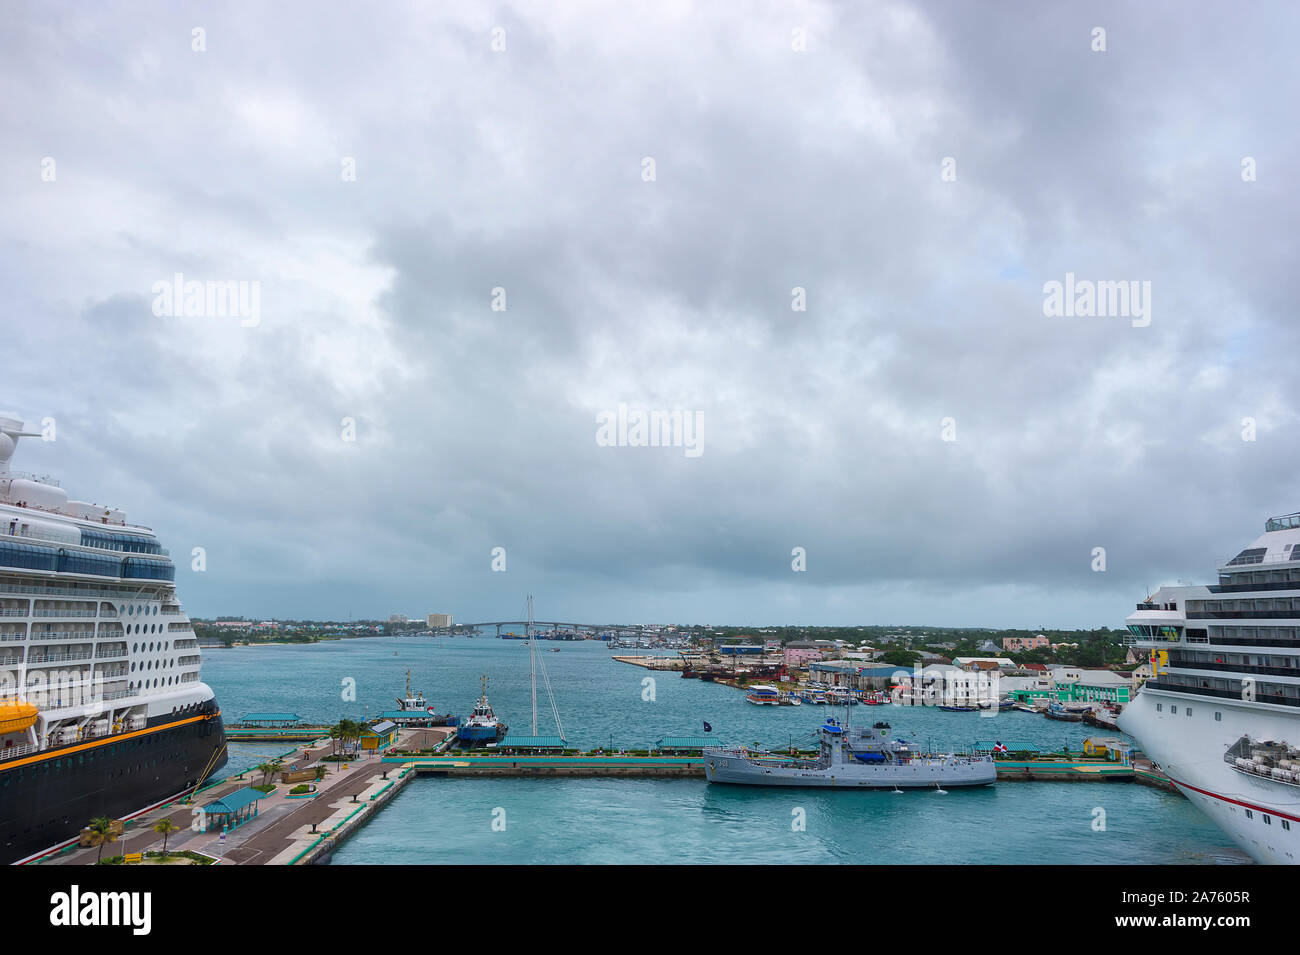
(532, 660)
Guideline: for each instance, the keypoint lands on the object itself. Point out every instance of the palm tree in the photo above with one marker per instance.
(336, 733)
(166, 827)
(102, 826)
(266, 769)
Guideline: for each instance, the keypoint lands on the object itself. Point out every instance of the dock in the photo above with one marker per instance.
(652, 663)
(1061, 769)
(587, 765)
(299, 734)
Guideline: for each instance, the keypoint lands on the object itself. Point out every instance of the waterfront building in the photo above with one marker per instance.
(741, 649)
(853, 674)
(438, 620)
(943, 684)
(798, 654)
(380, 735)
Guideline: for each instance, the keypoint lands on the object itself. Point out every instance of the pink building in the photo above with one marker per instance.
(798, 656)
(1024, 643)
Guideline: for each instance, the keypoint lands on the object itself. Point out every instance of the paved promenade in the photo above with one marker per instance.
(282, 828)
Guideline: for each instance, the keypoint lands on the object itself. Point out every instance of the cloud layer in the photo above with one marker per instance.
(774, 168)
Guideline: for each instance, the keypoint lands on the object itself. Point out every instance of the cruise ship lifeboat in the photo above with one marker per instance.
(16, 717)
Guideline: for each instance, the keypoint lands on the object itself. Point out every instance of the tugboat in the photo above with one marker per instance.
(852, 758)
(416, 702)
(414, 710)
(482, 727)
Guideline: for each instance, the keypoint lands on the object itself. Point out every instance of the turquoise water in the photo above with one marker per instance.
(602, 702)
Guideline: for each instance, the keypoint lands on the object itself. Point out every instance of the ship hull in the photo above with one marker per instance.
(918, 774)
(49, 801)
(1189, 745)
(481, 734)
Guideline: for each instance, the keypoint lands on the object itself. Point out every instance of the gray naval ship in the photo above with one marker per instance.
(851, 757)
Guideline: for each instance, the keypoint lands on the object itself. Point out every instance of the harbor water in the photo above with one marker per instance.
(604, 703)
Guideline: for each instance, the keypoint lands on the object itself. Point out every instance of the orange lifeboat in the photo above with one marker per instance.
(16, 716)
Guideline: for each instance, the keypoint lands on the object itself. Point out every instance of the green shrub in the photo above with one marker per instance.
(301, 788)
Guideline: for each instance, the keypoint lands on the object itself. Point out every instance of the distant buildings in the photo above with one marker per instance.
(1012, 644)
(399, 618)
(982, 663)
(438, 620)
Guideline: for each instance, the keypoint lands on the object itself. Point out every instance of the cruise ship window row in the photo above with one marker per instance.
(1287, 661)
(1253, 636)
(61, 560)
(1285, 694)
(126, 543)
(1241, 579)
(1250, 668)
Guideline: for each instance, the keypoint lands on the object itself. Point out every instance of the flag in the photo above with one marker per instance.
(707, 727)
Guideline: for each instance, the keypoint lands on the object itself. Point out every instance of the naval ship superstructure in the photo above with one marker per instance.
(865, 757)
(102, 712)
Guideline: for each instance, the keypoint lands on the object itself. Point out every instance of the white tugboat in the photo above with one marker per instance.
(851, 758)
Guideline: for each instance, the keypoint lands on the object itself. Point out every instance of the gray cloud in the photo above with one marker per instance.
(775, 169)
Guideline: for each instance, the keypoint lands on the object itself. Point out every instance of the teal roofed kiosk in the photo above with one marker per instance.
(231, 810)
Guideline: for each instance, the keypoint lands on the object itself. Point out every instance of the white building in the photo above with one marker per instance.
(438, 620)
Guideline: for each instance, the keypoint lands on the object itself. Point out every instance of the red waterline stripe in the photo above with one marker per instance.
(1238, 802)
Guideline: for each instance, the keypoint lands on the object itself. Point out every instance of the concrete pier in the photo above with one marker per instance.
(459, 764)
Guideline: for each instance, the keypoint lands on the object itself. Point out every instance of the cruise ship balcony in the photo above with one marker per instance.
(60, 656)
(48, 635)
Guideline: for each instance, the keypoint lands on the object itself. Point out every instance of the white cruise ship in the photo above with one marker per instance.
(102, 712)
(1221, 714)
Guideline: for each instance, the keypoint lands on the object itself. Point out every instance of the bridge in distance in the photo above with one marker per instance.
(554, 625)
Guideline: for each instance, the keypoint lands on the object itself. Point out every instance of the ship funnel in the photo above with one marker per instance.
(11, 429)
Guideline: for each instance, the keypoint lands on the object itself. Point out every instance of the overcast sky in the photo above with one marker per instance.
(780, 160)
